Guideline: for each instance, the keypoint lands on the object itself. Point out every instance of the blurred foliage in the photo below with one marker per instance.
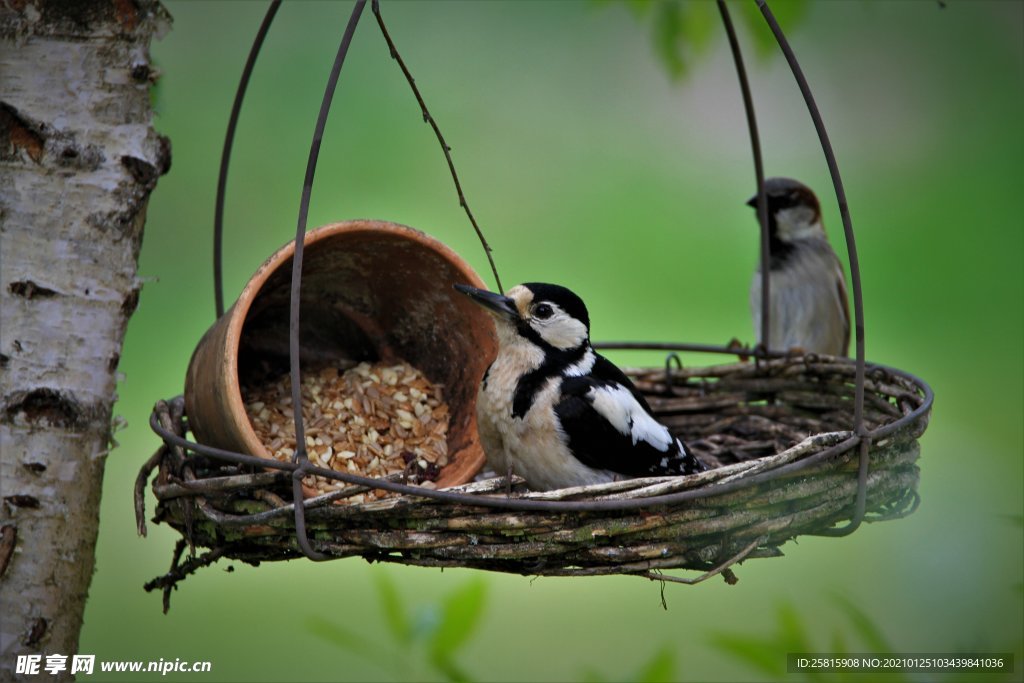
(426, 638)
(682, 31)
(423, 638)
(767, 654)
(660, 668)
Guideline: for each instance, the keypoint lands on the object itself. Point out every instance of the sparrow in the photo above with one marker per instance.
(807, 289)
(555, 412)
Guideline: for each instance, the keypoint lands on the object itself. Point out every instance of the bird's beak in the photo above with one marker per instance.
(752, 202)
(501, 306)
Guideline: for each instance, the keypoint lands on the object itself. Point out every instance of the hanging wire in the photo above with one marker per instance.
(427, 118)
(225, 159)
(851, 248)
(762, 199)
(300, 457)
(670, 360)
(837, 181)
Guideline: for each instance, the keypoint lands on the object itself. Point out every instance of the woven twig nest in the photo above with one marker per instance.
(777, 433)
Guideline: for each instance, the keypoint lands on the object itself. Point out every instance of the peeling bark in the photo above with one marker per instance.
(78, 160)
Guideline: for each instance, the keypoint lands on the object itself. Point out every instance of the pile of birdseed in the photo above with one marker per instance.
(372, 420)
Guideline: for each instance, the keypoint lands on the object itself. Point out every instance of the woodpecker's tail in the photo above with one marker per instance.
(688, 462)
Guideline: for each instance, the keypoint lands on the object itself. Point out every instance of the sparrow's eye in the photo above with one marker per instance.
(543, 311)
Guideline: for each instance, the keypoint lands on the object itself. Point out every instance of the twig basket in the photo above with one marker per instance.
(777, 431)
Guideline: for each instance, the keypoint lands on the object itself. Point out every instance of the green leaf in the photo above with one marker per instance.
(349, 641)
(768, 655)
(668, 29)
(394, 611)
(639, 8)
(460, 613)
(699, 25)
(660, 669)
(788, 14)
(839, 644)
(447, 666)
(869, 632)
(761, 655)
(791, 630)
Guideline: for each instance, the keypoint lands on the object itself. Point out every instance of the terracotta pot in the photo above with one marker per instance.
(370, 291)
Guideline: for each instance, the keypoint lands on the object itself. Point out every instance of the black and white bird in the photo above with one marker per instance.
(809, 311)
(554, 411)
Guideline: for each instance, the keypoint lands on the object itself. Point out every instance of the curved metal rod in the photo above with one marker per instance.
(671, 359)
(844, 209)
(755, 144)
(300, 457)
(851, 248)
(860, 506)
(695, 348)
(225, 159)
(428, 118)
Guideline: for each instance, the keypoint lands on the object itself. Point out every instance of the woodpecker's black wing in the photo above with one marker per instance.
(607, 371)
(608, 428)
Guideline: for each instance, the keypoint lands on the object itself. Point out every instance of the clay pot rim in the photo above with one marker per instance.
(237, 316)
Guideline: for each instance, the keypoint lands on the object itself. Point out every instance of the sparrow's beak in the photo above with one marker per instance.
(501, 306)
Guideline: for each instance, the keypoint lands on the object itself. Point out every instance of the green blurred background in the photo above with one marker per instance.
(588, 165)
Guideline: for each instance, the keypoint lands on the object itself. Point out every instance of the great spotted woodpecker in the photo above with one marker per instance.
(554, 411)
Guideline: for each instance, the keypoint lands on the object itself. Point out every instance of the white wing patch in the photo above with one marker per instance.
(617, 405)
(583, 367)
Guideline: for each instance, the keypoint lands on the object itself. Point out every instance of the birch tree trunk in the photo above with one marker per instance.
(78, 160)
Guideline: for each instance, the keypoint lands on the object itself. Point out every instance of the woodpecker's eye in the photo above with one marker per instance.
(543, 311)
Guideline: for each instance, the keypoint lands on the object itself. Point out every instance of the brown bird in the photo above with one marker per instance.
(807, 289)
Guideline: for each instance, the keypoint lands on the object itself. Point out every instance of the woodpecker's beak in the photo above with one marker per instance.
(495, 303)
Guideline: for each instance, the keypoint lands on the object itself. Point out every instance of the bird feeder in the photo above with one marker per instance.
(798, 444)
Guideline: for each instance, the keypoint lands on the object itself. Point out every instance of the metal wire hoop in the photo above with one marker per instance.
(300, 467)
(225, 158)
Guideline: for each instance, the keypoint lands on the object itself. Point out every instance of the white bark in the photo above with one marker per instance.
(78, 159)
